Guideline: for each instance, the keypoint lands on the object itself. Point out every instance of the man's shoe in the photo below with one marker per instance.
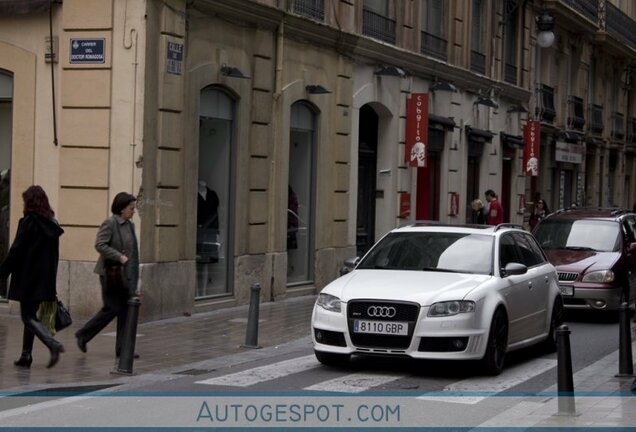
(81, 342)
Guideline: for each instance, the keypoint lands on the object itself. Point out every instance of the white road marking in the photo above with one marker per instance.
(354, 383)
(270, 372)
(510, 377)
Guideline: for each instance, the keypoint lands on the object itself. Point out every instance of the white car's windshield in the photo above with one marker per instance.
(432, 251)
(597, 235)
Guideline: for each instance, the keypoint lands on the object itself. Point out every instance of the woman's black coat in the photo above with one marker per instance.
(32, 259)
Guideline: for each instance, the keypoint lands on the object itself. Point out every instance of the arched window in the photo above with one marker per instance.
(6, 121)
(301, 191)
(215, 187)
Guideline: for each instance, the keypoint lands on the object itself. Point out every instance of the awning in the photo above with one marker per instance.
(511, 141)
(479, 135)
(440, 122)
(19, 7)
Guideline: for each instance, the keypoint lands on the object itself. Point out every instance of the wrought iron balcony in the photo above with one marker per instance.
(314, 9)
(434, 46)
(378, 26)
(596, 119)
(587, 8)
(546, 111)
(620, 26)
(618, 126)
(576, 116)
(478, 62)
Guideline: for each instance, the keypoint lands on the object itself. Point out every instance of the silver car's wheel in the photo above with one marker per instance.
(556, 319)
(331, 359)
(493, 360)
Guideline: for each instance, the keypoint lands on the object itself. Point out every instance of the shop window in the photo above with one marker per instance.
(434, 40)
(376, 21)
(314, 9)
(214, 216)
(300, 194)
(6, 121)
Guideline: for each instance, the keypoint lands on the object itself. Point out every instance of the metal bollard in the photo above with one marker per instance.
(625, 364)
(127, 354)
(565, 378)
(251, 336)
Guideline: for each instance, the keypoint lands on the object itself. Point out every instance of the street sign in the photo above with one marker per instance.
(87, 51)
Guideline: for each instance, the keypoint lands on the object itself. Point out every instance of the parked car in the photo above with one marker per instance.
(441, 292)
(594, 252)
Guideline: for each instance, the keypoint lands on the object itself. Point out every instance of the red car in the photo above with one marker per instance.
(594, 252)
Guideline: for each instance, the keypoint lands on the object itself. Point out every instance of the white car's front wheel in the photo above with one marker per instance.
(493, 360)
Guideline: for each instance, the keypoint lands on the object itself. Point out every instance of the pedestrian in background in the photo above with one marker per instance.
(32, 263)
(479, 212)
(495, 211)
(540, 211)
(116, 243)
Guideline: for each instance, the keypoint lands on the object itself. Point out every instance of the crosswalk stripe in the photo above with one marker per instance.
(510, 377)
(354, 383)
(253, 376)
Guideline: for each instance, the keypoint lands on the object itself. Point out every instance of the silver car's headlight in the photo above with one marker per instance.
(328, 302)
(601, 276)
(449, 308)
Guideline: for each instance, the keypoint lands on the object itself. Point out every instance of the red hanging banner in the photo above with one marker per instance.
(416, 129)
(532, 141)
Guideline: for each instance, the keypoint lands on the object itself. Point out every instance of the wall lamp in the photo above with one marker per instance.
(390, 70)
(316, 89)
(442, 86)
(485, 100)
(233, 72)
(545, 25)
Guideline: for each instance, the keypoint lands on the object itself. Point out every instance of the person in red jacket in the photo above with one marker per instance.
(495, 212)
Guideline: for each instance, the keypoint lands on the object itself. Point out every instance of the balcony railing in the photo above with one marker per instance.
(378, 26)
(618, 126)
(314, 9)
(510, 73)
(477, 62)
(620, 25)
(434, 46)
(596, 119)
(587, 8)
(546, 111)
(576, 116)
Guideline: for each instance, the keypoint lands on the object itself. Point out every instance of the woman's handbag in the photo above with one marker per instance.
(62, 316)
(115, 277)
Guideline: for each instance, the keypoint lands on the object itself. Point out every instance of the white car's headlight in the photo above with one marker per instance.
(601, 276)
(328, 302)
(449, 308)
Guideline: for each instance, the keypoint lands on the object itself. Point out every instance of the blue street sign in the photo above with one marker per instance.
(87, 51)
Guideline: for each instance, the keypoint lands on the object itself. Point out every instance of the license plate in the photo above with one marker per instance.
(566, 290)
(381, 327)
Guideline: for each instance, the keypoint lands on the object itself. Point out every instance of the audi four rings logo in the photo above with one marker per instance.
(381, 311)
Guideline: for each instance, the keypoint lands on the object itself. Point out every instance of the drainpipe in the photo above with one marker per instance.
(128, 45)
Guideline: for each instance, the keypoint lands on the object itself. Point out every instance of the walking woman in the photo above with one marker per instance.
(116, 243)
(32, 264)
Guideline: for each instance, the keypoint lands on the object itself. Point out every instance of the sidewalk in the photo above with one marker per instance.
(161, 344)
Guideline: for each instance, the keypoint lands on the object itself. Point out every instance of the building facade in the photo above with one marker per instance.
(266, 140)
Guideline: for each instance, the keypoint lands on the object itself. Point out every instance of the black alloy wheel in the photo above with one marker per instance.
(493, 360)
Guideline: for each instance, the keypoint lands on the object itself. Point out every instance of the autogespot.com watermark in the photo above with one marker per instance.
(310, 413)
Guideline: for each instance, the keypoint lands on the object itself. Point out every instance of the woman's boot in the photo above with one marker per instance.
(43, 334)
(24, 361)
